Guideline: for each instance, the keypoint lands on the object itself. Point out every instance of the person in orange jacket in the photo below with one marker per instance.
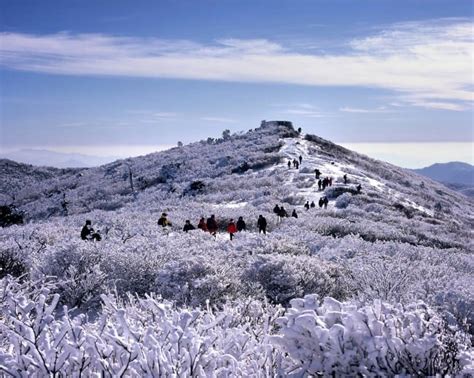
(231, 229)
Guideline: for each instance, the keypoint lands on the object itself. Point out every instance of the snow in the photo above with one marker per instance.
(229, 205)
(334, 292)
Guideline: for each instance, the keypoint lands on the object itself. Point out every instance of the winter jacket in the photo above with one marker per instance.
(211, 225)
(241, 226)
(188, 227)
(231, 228)
(202, 225)
(86, 232)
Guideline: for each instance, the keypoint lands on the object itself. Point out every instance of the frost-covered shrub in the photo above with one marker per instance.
(13, 262)
(343, 200)
(195, 281)
(76, 267)
(374, 208)
(294, 201)
(9, 216)
(336, 191)
(403, 273)
(144, 337)
(283, 278)
(342, 339)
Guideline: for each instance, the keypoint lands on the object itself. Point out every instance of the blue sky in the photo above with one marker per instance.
(82, 74)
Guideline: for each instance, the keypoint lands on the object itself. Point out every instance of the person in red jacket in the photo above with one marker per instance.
(231, 229)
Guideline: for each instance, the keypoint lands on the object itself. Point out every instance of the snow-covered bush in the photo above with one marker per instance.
(142, 337)
(76, 267)
(194, 281)
(342, 339)
(343, 200)
(12, 262)
(285, 277)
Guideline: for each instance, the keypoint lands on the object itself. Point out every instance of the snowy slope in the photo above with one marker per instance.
(370, 258)
(220, 165)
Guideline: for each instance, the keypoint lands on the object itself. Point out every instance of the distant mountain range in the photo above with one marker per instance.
(455, 175)
(57, 159)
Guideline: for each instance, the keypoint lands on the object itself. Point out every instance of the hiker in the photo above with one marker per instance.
(241, 226)
(294, 214)
(321, 202)
(212, 225)
(299, 130)
(276, 209)
(262, 224)
(202, 224)
(345, 178)
(325, 202)
(163, 221)
(325, 183)
(88, 233)
(306, 205)
(358, 187)
(294, 163)
(231, 229)
(188, 226)
(312, 204)
(330, 181)
(300, 159)
(282, 213)
(64, 204)
(317, 173)
(297, 165)
(320, 184)
(289, 164)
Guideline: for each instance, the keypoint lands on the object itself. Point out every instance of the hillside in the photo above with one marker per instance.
(371, 253)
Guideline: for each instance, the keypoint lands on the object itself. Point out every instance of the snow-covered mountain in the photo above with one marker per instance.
(454, 172)
(455, 175)
(368, 258)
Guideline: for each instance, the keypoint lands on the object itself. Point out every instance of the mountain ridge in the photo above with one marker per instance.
(48, 158)
(177, 168)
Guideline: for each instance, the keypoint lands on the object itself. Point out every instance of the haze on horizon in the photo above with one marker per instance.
(87, 77)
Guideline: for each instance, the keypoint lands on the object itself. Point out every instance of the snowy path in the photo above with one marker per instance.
(303, 179)
(304, 183)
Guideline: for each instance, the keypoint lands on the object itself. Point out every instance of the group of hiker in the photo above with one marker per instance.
(210, 224)
(324, 183)
(282, 213)
(295, 162)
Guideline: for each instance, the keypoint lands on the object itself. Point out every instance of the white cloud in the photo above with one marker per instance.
(302, 109)
(152, 117)
(428, 63)
(164, 115)
(219, 119)
(440, 105)
(305, 113)
(348, 109)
